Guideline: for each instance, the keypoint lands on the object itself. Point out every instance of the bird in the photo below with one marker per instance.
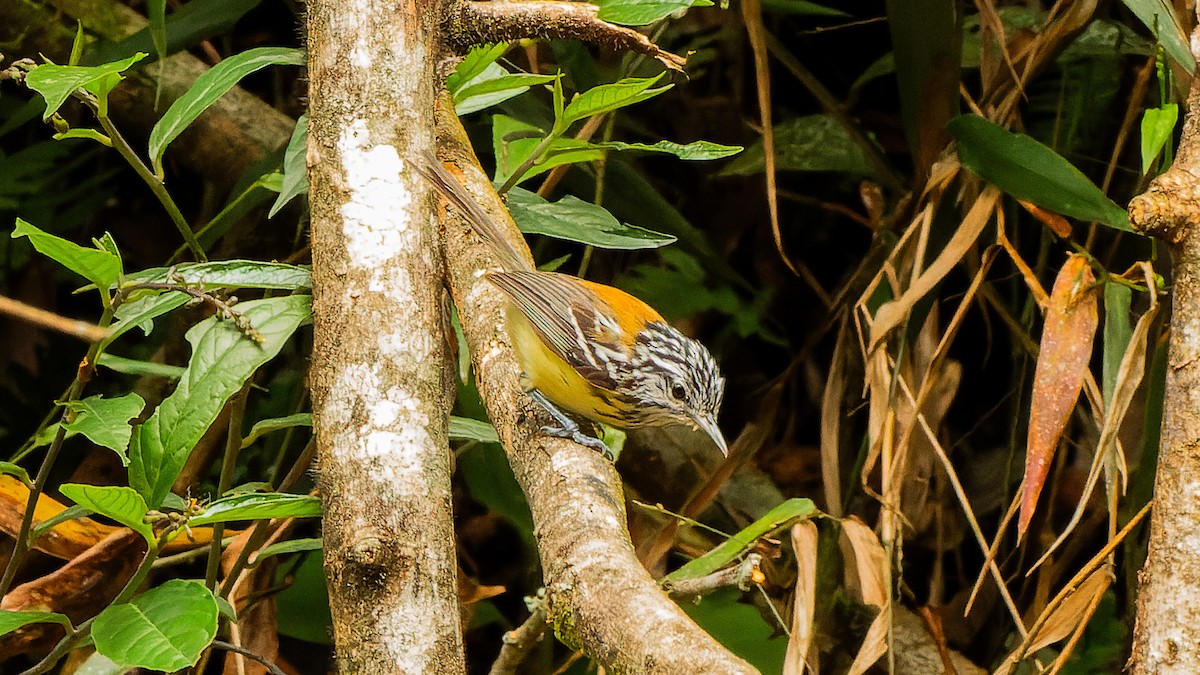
(592, 350)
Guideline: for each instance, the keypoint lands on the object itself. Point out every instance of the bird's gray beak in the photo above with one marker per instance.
(708, 424)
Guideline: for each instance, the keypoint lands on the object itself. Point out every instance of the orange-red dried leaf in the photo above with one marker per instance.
(1057, 224)
(1071, 321)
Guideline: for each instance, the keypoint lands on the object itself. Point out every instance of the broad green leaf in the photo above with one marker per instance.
(100, 267)
(723, 554)
(811, 143)
(139, 368)
(1032, 172)
(927, 48)
(266, 426)
(573, 219)
(742, 629)
(208, 88)
(465, 429)
(258, 506)
(303, 607)
(10, 620)
(105, 421)
(55, 83)
(290, 546)
(1158, 128)
(230, 274)
(1160, 17)
(295, 168)
(120, 503)
(643, 12)
(474, 64)
(694, 151)
(609, 97)
(223, 358)
(166, 628)
(15, 470)
(493, 87)
(514, 141)
(489, 480)
(141, 310)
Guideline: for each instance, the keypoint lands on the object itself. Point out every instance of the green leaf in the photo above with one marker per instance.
(741, 628)
(141, 310)
(77, 45)
(290, 546)
(1160, 17)
(56, 83)
(573, 219)
(295, 167)
(138, 368)
(10, 620)
(100, 267)
(210, 87)
(266, 426)
(225, 274)
(1117, 333)
(186, 27)
(493, 87)
(258, 506)
(514, 141)
(72, 512)
(105, 421)
(643, 12)
(156, 11)
(694, 151)
(474, 64)
(166, 628)
(465, 429)
(222, 360)
(1032, 172)
(303, 607)
(609, 97)
(802, 8)
(17, 471)
(122, 504)
(1158, 128)
(811, 143)
(722, 555)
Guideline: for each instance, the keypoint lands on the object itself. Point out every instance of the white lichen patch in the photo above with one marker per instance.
(377, 216)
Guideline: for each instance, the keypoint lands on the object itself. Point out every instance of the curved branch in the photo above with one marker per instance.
(599, 598)
(466, 24)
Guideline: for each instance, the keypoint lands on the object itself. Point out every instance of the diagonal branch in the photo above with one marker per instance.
(466, 24)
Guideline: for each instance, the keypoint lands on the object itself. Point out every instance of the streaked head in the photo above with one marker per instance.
(675, 381)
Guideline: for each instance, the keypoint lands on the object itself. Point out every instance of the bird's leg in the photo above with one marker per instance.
(569, 428)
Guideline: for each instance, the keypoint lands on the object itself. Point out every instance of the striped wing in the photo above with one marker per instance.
(561, 310)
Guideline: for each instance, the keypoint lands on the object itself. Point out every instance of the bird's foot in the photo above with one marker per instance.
(583, 439)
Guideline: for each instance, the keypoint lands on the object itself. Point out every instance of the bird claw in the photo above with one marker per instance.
(582, 439)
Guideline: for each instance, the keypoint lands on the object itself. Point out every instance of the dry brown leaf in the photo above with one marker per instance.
(1057, 224)
(831, 424)
(868, 578)
(1071, 321)
(894, 313)
(804, 544)
(1064, 619)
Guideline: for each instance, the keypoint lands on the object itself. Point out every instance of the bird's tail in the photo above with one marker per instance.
(432, 170)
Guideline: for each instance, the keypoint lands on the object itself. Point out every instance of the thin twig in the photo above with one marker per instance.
(740, 575)
(221, 644)
(40, 317)
(520, 641)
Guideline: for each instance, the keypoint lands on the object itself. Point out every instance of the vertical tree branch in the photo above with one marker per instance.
(1166, 638)
(380, 409)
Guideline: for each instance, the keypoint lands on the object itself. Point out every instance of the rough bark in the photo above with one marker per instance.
(1166, 638)
(599, 598)
(230, 137)
(379, 405)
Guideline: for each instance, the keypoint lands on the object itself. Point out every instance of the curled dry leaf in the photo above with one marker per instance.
(1063, 619)
(1071, 321)
(868, 577)
(804, 543)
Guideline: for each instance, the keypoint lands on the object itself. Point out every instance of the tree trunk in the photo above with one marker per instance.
(378, 374)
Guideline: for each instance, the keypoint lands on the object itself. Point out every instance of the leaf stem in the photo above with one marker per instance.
(527, 163)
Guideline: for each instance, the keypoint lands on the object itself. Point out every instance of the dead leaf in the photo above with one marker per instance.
(868, 578)
(1071, 321)
(1064, 619)
(1057, 224)
(804, 543)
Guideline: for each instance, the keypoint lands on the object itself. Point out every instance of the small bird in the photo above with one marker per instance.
(593, 350)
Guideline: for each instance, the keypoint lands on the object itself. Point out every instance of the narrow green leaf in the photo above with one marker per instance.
(493, 87)
(166, 628)
(17, 471)
(694, 151)
(225, 274)
(77, 45)
(221, 362)
(723, 554)
(514, 141)
(1030, 171)
(295, 167)
(139, 368)
(802, 8)
(290, 546)
(1117, 333)
(105, 421)
(263, 427)
(210, 87)
(474, 64)
(1160, 17)
(122, 504)
(1158, 128)
(140, 312)
(608, 97)
(573, 219)
(643, 12)
(100, 267)
(810, 143)
(156, 11)
(72, 512)
(258, 506)
(56, 83)
(187, 26)
(10, 620)
(466, 429)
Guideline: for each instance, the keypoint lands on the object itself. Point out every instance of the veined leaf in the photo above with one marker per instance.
(105, 421)
(258, 506)
(55, 83)
(608, 97)
(295, 167)
(166, 628)
(10, 620)
(643, 12)
(100, 267)
(230, 274)
(462, 428)
(573, 219)
(263, 427)
(122, 504)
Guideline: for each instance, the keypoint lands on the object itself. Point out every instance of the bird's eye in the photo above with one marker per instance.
(678, 392)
